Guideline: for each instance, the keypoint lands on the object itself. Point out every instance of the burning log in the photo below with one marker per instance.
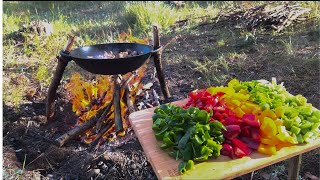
(106, 114)
(125, 84)
(158, 63)
(101, 133)
(97, 102)
(85, 126)
(128, 100)
(117, 108)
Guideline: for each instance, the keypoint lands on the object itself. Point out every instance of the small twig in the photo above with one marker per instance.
(48, 162)
(99, 135)
(156, 97)
(188, 19)
(171, 41)
(42, 154)
(148, 105)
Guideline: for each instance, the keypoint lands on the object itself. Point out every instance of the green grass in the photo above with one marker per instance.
(227, 53)
(96, 22)
(139, 16)
(100, 22)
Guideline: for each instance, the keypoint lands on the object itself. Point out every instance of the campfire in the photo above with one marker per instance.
(103, 105)
(88, 98)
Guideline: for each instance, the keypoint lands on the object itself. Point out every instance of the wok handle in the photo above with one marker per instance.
(65, 55)
(157, 50)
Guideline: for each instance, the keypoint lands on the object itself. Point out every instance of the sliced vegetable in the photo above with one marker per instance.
(187, 134)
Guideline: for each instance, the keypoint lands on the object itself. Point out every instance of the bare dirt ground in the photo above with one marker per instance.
(28, 139)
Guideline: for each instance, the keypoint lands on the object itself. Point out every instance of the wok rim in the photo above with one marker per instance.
(118, 59)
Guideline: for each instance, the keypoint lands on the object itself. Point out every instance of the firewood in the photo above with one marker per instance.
(93, 102)
(104, 116)
(100, 99)
(100, 134)
(130, 105)
(74, 132)
(265, 15)
(117, 108)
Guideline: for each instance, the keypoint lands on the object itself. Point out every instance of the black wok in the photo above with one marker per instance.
(86, 57)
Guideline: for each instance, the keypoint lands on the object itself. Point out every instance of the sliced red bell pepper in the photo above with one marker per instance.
(255, 134)
(238, 152)
(226, 149)
(246, 131)
(251, 120)
(243, 146)
(232, 131)
(251, 143)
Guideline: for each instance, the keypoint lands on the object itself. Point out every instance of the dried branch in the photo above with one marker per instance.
(83, 127)
(264, 16)
(101, 133)
(158, 63)
(104, 115)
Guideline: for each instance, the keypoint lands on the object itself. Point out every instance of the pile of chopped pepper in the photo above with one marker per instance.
(235, 120)
(187, 134)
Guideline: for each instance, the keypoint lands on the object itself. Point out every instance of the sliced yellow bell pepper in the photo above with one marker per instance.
(239, 112)
(268, 128)
(267, 149)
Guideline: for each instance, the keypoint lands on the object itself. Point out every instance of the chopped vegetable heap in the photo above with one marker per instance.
(234, 121)
(187, 134)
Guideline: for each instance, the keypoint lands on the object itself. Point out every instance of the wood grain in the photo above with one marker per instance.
(222, 167)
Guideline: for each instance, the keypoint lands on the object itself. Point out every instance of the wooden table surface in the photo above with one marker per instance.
(222, 167)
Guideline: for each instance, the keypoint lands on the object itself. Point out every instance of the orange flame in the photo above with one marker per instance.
(82, 94)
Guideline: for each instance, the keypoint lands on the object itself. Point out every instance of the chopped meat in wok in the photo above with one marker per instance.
(117, 55)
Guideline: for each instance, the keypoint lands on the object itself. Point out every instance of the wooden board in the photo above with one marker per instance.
(222, 167)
